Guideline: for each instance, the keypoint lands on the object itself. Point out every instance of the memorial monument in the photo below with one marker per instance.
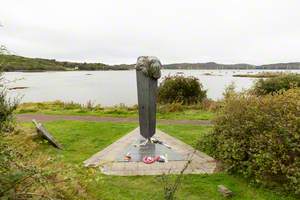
(147, 73)
(136, 152)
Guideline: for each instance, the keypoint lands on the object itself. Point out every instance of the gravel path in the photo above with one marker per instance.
(45, 118)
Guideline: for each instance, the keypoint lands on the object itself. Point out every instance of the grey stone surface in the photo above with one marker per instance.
(138, 152)
(46, 135)
(224, 191)
(106, 160)
(150, 66)
(147, 73)
(146, 89)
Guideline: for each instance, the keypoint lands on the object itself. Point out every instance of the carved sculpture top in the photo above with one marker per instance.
(149, 65)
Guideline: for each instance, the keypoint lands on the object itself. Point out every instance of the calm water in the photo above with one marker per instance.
(109, 87)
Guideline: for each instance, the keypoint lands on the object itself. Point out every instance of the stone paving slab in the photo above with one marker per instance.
(137, 152)
(107, 162)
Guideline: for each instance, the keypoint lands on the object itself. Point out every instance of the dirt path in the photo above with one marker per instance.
(45, 118)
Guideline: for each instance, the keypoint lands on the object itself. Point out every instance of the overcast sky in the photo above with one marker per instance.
(118, 31)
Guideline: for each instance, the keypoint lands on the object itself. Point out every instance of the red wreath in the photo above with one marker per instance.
(149, 159)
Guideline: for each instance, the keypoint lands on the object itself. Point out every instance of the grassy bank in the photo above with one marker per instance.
(261, 75)
(169, 111)
(82, 139)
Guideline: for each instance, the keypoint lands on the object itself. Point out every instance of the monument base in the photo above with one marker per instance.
(111, 159)
(141, 148)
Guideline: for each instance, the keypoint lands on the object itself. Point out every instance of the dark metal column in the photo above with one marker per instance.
(147, 88)
(147, 73)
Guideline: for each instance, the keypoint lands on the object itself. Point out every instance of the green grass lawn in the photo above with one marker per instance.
(61, 108)
(82, 139)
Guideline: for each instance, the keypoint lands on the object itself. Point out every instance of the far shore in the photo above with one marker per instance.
(237, 75)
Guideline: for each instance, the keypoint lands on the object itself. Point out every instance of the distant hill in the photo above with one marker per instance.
(291, 65)
(213, 65)
(20, 63)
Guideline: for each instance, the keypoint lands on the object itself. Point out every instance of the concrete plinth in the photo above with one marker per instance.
(109, 162)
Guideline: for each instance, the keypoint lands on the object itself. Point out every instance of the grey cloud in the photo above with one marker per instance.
(116, 31)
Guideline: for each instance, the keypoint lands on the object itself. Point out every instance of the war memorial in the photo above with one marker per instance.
(147, 150)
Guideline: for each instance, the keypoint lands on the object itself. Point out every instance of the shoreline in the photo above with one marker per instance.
(38, 71)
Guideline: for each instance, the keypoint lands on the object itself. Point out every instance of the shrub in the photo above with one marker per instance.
(27, 173)
(259, 137)
(210, 105)
(186, 90)
(7, 107)
(271, 85)
(172, 107)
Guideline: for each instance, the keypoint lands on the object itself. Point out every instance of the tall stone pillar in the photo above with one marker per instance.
(147, 73)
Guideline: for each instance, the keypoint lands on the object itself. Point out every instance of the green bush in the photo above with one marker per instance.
(7, 107)
(185, 90)
(259, 137)
(27, 173)
(275, 84)
(169, 108)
